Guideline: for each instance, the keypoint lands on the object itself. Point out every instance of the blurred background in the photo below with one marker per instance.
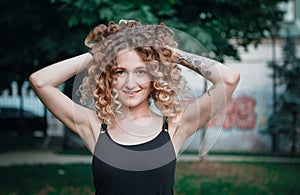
(259, 38)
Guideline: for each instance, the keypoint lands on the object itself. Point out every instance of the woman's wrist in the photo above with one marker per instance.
(92, 54)
(191, 61)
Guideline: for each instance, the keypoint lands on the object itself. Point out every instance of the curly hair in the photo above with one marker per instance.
(151, 43)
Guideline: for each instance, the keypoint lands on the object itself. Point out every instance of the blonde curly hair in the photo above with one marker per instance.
(151, 42)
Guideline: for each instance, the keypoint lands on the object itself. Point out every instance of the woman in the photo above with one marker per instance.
(129, 66)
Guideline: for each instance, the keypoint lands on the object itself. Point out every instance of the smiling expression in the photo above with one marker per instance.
(134, 81)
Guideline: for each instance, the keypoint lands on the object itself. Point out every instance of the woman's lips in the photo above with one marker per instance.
(131, 93)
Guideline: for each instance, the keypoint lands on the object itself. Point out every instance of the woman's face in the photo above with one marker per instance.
(134, 81)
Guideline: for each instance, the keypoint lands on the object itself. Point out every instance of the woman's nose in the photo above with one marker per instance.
(130, 82)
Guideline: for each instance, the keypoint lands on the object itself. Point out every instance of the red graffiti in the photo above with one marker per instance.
(238, 113)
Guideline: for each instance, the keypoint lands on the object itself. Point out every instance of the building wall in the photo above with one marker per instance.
(241, 127)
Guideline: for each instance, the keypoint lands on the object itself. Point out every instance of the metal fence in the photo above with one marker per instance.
(23, 111)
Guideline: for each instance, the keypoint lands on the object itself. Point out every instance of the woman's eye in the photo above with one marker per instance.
(120, 72)
(141, 72)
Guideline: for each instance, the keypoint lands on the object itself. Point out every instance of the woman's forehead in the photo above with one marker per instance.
(129, 58)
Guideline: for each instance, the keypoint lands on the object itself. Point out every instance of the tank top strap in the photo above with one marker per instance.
(165, 124)
(103, 128)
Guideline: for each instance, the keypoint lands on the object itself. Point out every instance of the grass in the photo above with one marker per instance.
(248, 153)
(192, 178)
(47, 179)
(211, 178)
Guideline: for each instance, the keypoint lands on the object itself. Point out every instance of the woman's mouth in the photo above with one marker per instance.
(131, 93)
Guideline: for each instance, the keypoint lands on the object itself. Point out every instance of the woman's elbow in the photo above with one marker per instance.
(234, 79)
(35, 80)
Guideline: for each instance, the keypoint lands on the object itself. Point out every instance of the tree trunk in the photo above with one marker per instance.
(294, 133)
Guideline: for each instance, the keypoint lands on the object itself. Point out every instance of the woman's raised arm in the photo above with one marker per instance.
(224, 80)
(45, 83)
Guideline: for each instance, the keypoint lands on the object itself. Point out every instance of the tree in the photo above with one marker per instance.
(287, 117)
(214, 23)
(34, 34)
(37, 33)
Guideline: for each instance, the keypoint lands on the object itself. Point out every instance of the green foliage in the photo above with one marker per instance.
(287, 73)
(243, 21)
(286, 118)
(213, 23)
(94, 12)
(34, 34)
(37, 33)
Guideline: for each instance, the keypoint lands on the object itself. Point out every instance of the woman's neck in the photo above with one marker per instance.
(137, 113)
(138, 122)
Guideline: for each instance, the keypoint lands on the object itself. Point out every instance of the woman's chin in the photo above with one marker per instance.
(133, 103)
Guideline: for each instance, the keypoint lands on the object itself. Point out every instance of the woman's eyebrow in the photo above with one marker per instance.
(141, 67)
(138, 66)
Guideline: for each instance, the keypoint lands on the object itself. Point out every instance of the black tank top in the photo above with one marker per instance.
(142, 169)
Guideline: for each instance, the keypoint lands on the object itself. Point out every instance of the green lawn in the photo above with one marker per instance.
(192, 178)
(237, 178)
